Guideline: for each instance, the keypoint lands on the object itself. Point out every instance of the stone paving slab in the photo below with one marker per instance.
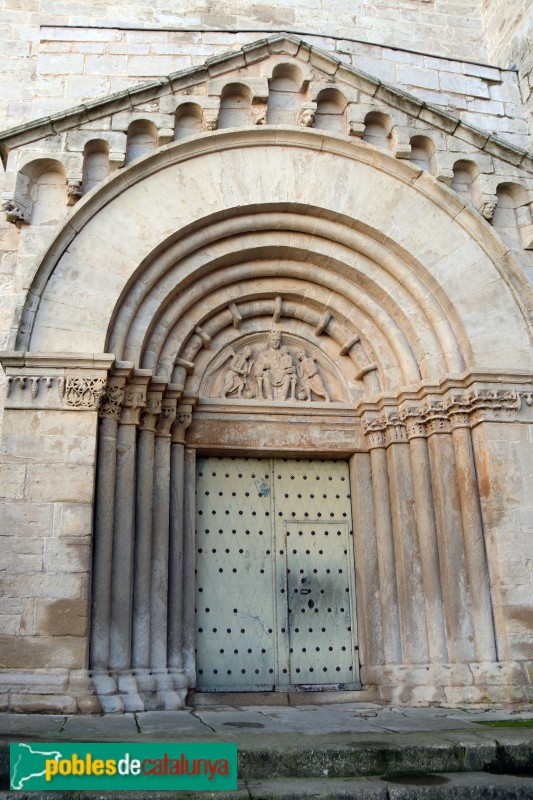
(284, 720)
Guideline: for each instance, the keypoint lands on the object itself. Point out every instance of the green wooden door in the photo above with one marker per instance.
(275, 597)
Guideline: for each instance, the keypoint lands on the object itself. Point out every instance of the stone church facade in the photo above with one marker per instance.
(268, 396)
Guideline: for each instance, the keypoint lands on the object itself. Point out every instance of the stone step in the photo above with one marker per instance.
(287, 758)
(442, 786)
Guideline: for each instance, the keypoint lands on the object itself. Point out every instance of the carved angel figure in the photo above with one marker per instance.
(310, 377)
(236, 374)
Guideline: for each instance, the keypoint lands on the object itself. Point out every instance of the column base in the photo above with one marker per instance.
(450, 685)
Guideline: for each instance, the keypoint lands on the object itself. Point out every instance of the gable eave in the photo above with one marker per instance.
(293, 46)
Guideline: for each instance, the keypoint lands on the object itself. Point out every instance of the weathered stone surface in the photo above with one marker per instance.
(43, 651)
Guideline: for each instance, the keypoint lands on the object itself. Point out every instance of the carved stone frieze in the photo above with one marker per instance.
(85, 393)
(34, 382)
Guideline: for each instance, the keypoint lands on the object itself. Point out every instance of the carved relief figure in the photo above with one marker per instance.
(310, 377)
(271, 374)
(235, 376)
(274, 371)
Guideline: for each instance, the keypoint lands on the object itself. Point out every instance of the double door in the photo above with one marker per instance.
(275, 596)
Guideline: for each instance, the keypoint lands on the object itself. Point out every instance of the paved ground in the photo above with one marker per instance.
(346, 750)
(247, 723)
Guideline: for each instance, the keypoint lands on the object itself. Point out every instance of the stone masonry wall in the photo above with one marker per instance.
(509, 34)
(60, 54)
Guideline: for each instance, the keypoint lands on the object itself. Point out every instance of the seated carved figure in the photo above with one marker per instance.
(310, 377)
(274, 371)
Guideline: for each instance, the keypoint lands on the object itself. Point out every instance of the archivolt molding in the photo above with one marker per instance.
(296, 140)
(365, 288)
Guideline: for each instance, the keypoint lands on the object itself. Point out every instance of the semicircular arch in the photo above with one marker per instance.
(437, 260)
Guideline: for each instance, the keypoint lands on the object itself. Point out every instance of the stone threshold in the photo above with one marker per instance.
(238, 699)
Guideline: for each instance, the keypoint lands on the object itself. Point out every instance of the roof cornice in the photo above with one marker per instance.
(216, 66)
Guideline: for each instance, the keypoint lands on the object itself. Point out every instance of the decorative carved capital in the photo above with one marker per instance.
(182, 422)
(375, 431)
(111, 401)
(413, 419)
(133, 403)
(436, 418)
(151, 412)
(166, 418)
(395, 430)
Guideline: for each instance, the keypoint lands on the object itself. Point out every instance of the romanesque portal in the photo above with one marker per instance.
(279, 327)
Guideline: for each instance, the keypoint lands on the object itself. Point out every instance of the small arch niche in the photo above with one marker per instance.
(188, 121)
(511, 213)
(235, 103)
(378, 127)
(95, 163)
(142, 139)
(465, 174)
(423, 153)
(42, 187)
(283, 95)
(330, 109)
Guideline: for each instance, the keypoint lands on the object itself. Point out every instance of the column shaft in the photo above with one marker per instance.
(385, 547)
(103, 543)
(175, 616)
(160, 554)
(143, 550)
(122, 568)
(189, 581)
(407, 556)
(366, 562)
(476, 558)
(454, 580)
(429, 554)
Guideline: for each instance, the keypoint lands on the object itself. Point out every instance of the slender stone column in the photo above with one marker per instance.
(388, 592)
(124, 524)
(407, 554)
(454, 579)
(109, 413)
(427, 538)
(474, 540)
(366, 562)
(143, 530)
(160, 542)
(175, 630)
(183, 418)
(189, 581)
